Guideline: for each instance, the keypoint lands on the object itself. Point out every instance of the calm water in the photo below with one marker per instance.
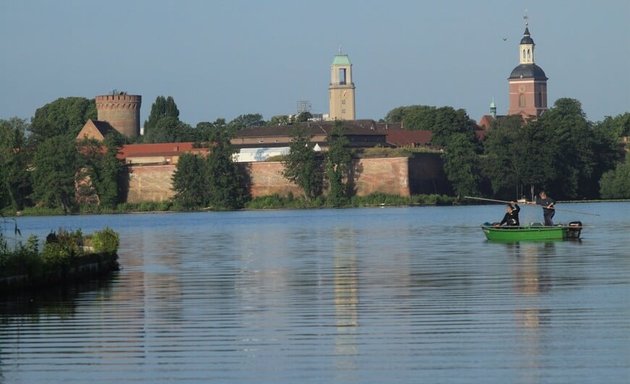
(393, 295)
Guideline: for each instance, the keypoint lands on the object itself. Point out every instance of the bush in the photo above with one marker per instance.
(105, 241)
(56, 255)
(62, 247)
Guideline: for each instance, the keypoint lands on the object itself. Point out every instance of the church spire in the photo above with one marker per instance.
(526, 48)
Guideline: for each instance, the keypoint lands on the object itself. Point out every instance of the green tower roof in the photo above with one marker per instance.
(341, 60)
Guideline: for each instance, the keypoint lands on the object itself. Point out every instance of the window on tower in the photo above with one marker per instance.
(342, 76)
(521, 100)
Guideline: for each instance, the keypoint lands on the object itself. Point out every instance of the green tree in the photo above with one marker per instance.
(226, 188)
(619, 125)
(573, 144)
(169, 130)
(615, 184)
(55, 165)
(190, 182)
(302, 165)
(442, 121)
(461, 165)
(163, 107)
(15, 185)
(517, 156)
(247, 120)
(280, 120)
(60, 117)
(338, 164)
(303, 117)
(105, 170)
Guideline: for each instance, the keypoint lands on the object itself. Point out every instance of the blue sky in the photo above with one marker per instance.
(226, 58)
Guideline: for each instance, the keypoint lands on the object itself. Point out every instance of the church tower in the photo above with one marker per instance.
(341, 89)
(527, 82)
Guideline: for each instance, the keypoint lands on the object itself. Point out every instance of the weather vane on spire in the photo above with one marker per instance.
(340, 50)
(526, 18)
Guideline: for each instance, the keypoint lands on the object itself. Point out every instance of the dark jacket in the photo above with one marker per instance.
(511, 218)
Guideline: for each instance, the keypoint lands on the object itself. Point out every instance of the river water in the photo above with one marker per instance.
(384, 295)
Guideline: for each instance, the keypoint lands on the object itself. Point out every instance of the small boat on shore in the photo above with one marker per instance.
(533, 232)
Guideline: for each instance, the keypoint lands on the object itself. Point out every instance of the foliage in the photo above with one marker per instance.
(461, 165)
(105, 241)
(247, 121)
(226, 182)
(55, 165)
(64, 116)
(161, 108)
(615, 184)
(163, 124)
(15, 183)
(302, 165)
(61, 250)
(442, 121)
(62, 247)
(23, 259)
(104, 169)
(575, 146)
(280, 120)
(373, 200)
(303, 116)
(560, 152)
(338, 165)
(517, 155)
(190, 182)
(169, 130)
(145, 206)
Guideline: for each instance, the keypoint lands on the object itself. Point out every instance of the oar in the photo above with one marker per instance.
(528, 203)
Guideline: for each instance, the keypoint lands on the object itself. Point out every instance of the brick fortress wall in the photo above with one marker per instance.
(396, 176)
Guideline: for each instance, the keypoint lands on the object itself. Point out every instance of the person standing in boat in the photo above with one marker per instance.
(511, 215)
(548, 206)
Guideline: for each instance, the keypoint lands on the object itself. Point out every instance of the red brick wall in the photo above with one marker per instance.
(382, 175)
(150, 183)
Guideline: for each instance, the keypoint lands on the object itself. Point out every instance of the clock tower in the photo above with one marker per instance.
(527, 82)
(341, 89)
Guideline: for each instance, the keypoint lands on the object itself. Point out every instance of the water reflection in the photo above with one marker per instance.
(346, 301)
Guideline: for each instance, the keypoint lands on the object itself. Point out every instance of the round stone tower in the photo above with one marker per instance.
(121, 111)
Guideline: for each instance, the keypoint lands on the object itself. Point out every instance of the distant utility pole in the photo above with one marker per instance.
(303, 106)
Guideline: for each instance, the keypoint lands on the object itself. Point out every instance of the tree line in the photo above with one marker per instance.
(42, 164)
(561, 152)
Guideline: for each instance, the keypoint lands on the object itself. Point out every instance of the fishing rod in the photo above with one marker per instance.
(528, 203)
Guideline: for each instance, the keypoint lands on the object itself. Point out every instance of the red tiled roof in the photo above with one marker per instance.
(406, 138)
(157, 149)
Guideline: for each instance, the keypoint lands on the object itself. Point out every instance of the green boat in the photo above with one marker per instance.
(533, 232)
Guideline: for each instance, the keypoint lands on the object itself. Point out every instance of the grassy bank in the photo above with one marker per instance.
(374, 200)
(265, 202)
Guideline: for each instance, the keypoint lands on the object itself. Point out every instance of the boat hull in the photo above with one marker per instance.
(533, 232)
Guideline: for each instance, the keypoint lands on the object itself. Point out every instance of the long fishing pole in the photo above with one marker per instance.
(528, 203)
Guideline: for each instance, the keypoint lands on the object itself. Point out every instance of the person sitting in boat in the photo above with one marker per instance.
(510, 218)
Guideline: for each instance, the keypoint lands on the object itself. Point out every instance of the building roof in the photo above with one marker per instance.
(350, 128)
(158, 149)
(528, 71)
(405, 138)
(95, 129)
(527, 39)
(341, 60)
